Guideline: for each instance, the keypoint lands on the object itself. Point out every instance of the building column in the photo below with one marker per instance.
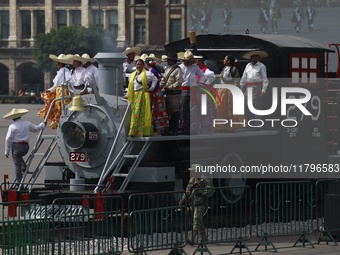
(48, 15)
(33, 27)
(12, 75)
(105, 20)
(121, 38)
(13, 37)
(68, 18)
(85, 13)
(47, 81)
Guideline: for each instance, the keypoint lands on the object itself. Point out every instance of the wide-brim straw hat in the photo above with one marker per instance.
(187, 56)
(136, 50)
(86, 58)
(144, 57)
(62, 58)
(260, 53)
(76, 57)
(15, 113)
(153, 56)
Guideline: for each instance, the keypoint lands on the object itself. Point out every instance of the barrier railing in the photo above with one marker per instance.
(220, 215)
(94, 225)
(157, 222)
(328, 209)
(88, 225)
(283, 209)
(27, 230)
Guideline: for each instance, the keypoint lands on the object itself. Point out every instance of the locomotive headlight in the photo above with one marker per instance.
(80, 135)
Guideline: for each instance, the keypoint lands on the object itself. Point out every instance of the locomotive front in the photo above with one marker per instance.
(90, 130)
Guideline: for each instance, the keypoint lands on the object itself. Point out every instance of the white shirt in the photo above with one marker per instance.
(79, 76)
(255, 73)
(93, 73)
(209, 76)
(19, 131)
(61, 77)
(190, 73)
(226, 75)
(126, 64)
(137, 82)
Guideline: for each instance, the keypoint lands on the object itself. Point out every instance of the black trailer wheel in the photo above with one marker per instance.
(231, 179)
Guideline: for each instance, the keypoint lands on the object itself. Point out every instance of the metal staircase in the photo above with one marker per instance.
(127, 159)
(45, 155)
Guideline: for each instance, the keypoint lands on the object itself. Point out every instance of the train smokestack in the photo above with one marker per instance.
(111, 80)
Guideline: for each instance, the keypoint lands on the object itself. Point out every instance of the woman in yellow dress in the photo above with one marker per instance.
(139, 97)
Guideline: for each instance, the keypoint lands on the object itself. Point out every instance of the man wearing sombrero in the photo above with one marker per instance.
(78, 73)
(17, 139)
(191, 74)
(130, 53)
(91, 69)
(254, 76)
(172, 83)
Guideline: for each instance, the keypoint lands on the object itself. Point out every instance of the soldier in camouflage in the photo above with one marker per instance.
(196, 195)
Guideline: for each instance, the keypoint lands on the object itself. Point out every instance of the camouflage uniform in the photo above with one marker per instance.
(197, 204)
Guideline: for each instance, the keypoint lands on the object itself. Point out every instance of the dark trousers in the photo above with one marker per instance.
(18, 151)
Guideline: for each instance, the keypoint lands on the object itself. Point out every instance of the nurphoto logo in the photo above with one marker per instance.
(239, 105)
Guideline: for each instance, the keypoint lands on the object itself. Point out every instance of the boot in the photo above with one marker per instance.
(204, 236)
(194, 234)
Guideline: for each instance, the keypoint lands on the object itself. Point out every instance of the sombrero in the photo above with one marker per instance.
(135, 50)
(62, 58)
(165, 57)
(260, 53)
(76, 57)
(15, 113)
(188, 55)
(86, 58)
(144, 57)
(153, 56)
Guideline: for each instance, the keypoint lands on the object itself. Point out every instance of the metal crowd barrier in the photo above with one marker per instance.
(157, 222)
(328, 209)
(226, 216)
(284, 209)
(88, 225)
(27, 230)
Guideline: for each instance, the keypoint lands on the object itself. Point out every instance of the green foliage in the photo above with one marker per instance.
(67, 40)
(5, 99)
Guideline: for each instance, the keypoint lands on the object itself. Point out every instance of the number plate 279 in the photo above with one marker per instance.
(76, 156)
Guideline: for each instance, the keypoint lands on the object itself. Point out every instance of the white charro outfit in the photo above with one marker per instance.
(254, 76)
(17, 139)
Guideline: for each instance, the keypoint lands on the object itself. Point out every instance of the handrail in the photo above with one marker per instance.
(39, 140)
(106, 169)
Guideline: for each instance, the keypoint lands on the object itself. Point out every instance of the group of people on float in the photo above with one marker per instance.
(160, 103)
(73, 69)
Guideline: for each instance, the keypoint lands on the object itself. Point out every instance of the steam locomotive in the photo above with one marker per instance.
(99, 157)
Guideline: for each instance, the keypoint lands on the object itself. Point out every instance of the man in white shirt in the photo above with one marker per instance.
(190, 73)
(79, 75)
(17, 139)
(130, 53)
(254, 76)
(92, 70)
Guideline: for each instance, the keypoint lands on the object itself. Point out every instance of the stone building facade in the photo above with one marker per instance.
(147, 23)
